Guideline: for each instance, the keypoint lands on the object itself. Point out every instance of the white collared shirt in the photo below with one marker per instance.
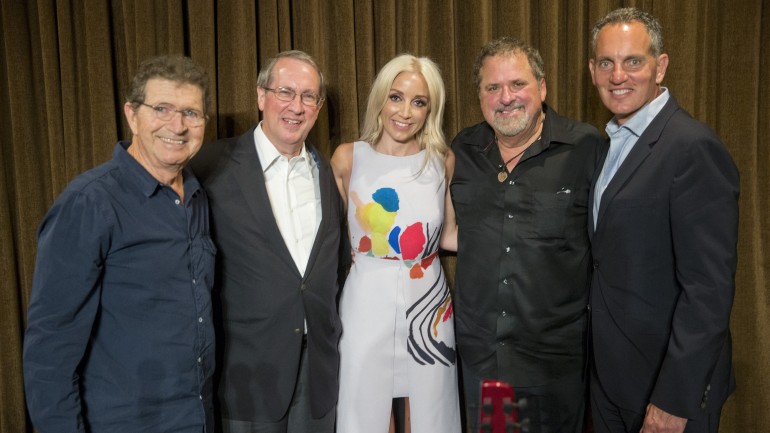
(295, 196)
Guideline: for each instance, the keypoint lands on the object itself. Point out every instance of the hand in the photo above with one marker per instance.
(657, 420)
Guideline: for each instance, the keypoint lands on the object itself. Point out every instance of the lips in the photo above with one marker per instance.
(620, 92)
(171, 140)
(510, 110)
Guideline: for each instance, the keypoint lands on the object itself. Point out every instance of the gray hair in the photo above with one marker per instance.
(628, 15)
(176, 68)
(265, 77)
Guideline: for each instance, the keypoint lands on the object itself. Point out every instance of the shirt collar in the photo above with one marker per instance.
(142, 178)
(642, 119)
(268, 154)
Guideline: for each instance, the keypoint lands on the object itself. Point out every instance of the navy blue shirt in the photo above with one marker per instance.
(119, 335)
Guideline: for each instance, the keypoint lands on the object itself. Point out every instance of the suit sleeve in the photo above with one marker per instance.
(62, 311)
(704, 230)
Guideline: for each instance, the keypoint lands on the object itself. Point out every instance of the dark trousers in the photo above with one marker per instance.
(611, 418)
(557, 407)
(299, 418)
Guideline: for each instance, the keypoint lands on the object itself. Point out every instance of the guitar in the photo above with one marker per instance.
(499, 409)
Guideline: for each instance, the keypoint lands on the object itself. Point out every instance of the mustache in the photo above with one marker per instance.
(508, 107)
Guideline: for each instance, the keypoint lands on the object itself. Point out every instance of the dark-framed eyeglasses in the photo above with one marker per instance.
(286, 94)
(165, 112)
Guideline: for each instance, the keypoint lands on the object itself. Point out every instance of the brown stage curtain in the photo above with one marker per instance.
(64, 66)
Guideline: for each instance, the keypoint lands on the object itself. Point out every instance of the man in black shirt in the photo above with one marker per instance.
(520, 192)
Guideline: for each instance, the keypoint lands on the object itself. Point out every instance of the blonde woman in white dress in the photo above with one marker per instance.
(396, 308)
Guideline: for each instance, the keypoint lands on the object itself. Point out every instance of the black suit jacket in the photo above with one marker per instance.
(260, 297)
(664, 251)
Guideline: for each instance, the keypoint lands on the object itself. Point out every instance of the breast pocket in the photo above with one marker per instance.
(473, 201)
(549, 213)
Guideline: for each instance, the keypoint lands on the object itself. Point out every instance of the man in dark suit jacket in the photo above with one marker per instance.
(276, 220)
(664, 233)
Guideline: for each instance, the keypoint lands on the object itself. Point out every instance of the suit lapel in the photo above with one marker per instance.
(324, 173)
(251, 181)
(642, 149)
(597, 171)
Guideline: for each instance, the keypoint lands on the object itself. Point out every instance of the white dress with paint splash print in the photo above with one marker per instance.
(396, 308)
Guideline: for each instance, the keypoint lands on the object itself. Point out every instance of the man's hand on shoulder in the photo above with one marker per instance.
(656, 420)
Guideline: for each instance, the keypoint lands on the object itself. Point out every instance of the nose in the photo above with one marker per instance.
(507, 95)
(406, 110)
(618, 74)
(176, 124)
(296, 104)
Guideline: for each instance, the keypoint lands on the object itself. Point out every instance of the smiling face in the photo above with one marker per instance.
(624, 71)
(164, 147)
(510, 95)
(406, 108)
(287, 124)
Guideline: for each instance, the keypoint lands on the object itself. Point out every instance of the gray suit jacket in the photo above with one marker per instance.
(664, 252)
(261, 300)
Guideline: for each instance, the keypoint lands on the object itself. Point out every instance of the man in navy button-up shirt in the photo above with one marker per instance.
(120, 337)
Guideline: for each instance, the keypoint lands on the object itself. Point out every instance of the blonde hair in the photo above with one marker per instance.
(431, 136)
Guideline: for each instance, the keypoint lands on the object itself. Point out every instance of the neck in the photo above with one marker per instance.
(394, 148)
(290, 151)
(171, 175)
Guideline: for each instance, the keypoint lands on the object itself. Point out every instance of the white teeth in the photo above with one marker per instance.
(620, 91)
(293, 122)
(401, 125)
(168, 140)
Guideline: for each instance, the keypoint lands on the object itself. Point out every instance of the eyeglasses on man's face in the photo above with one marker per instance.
(286, 94)
(165, 112)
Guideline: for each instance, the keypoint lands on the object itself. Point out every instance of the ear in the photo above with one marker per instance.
(131, 117)
(261, 95)
(592, 68)
(662, 65)
(543, 90)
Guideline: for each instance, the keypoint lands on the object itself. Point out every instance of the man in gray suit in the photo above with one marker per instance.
(276, 219)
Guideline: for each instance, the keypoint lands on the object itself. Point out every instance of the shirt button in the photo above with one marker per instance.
(200, 319)
(510, 216)
(195, 281)
(505, 281)
(200, 397)
(507, 249)
(200, 360)
(504, 313)
(176, 201)
(502, 343)
(510, 182)
(297, 330)
(596, 265)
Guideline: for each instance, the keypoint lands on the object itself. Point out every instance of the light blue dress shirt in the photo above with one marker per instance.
(622, 140)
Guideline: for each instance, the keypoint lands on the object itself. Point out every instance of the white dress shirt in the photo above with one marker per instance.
(295, 196)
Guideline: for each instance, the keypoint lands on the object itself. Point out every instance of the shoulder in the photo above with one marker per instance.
(570, 130)
(342, 158)
(212, 155)
(694, 139)
(449, 163)
(477, 135)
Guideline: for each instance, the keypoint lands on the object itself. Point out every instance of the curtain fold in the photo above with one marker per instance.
(65, 65)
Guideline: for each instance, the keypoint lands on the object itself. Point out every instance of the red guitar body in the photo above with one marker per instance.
(499, 409)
